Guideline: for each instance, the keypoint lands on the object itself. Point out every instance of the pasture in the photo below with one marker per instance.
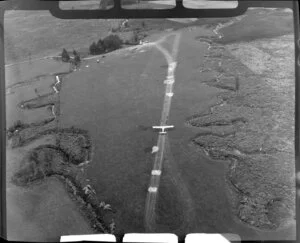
(119, 98)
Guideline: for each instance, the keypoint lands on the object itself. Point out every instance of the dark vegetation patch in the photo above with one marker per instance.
(243, 140)
(64, 139)
(222, 79)
(111, 43)
(75, 143)
(259, 179)
(224, 114)
(220, 131)
(224, 153)
(48, 160)
(220, 122)
(264, 184)
(251, 127)
(73, 146)
(88, 204)
(39, 163)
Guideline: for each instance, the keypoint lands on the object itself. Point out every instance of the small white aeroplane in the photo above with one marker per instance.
(163, 128)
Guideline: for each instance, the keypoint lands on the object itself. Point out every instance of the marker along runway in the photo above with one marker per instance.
(159, 156)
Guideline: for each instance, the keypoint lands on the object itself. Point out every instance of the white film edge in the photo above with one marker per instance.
(161, 238)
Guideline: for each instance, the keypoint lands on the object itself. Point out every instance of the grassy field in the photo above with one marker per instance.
(29, 221)
(27, 34)
(22, 74)
(121, 166)
(255, 29)
(118, 100)
(119, 171)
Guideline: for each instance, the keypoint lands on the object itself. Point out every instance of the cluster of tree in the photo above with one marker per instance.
(109, 43)
(66, 57)
(77, 59)
(97, 48)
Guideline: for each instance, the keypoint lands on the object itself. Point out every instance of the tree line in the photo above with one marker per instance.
(65, 57)
(109, 43)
